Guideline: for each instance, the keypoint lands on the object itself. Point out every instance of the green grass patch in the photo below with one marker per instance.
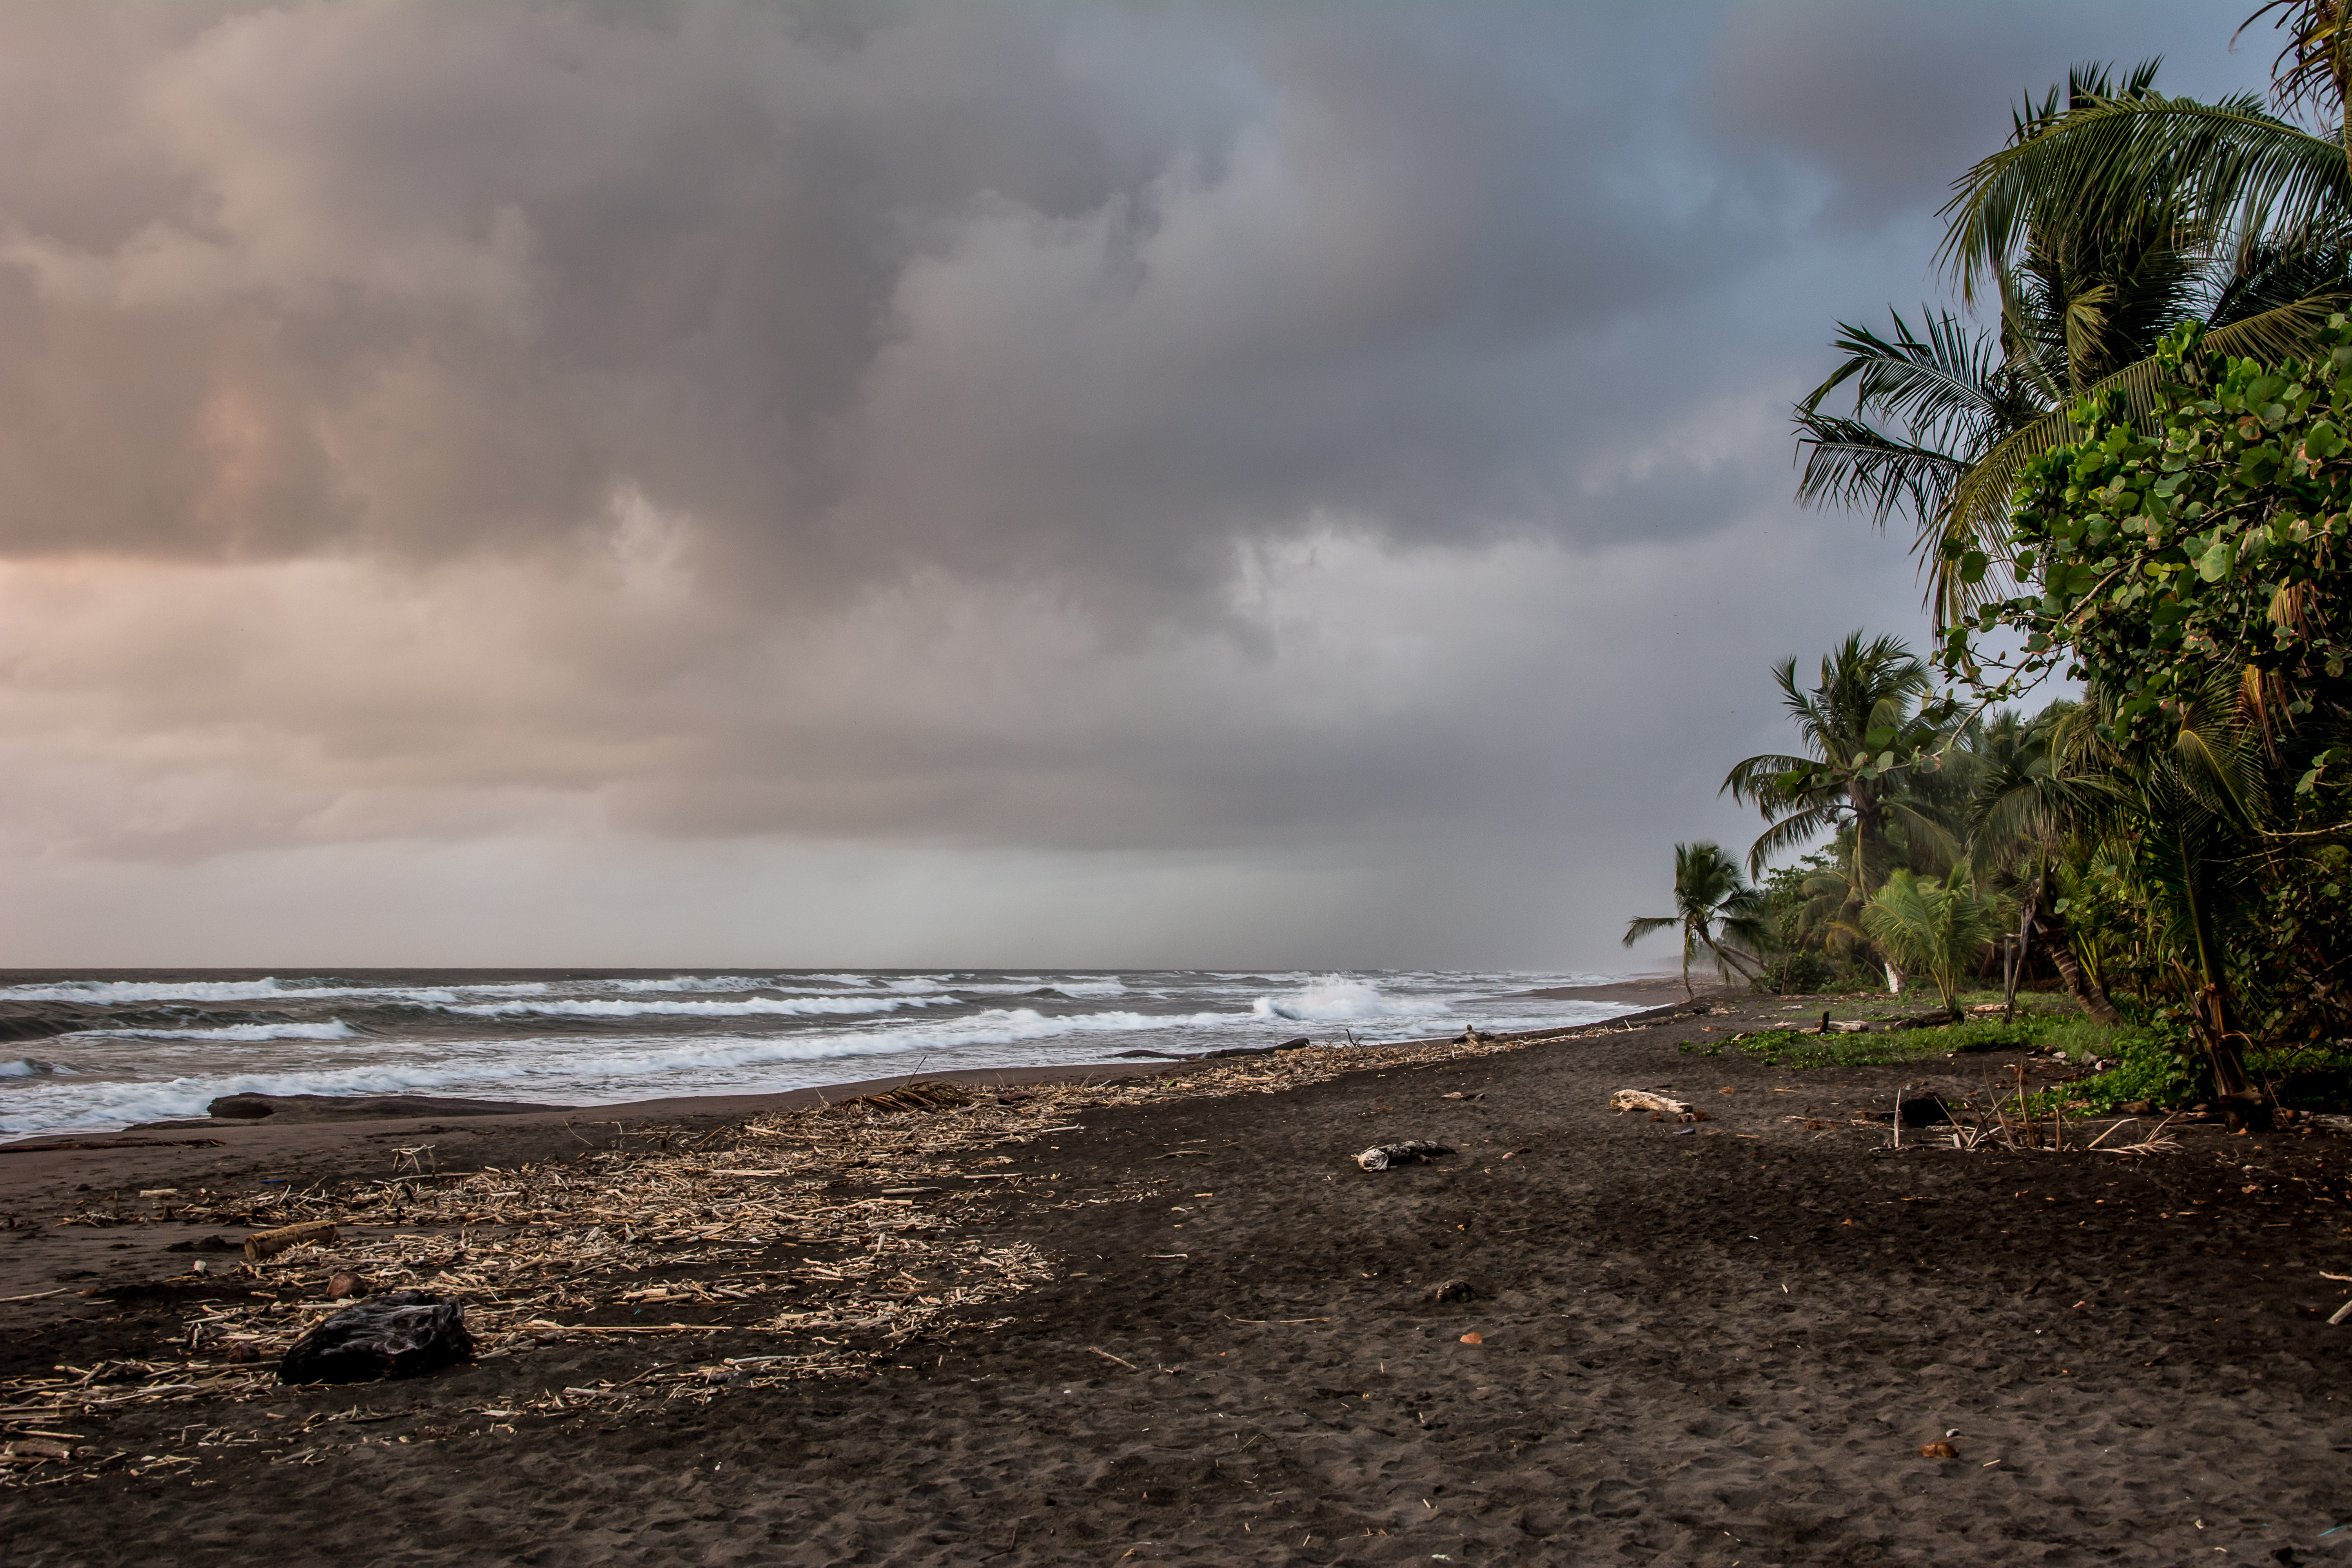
(2075, 1037)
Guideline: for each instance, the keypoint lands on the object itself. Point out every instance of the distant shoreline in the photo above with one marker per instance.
(1654, 991)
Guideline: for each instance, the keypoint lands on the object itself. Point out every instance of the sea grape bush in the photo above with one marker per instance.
(2205, 547)
(2218, 541)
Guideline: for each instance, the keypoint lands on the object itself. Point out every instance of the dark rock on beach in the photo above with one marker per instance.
(403, 1333)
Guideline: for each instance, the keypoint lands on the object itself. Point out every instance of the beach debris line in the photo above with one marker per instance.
(1380, 1156)
(919, 1096)
(402, 1333)
(743, 1226)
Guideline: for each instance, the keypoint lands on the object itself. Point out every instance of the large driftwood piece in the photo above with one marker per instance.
(264, 1243)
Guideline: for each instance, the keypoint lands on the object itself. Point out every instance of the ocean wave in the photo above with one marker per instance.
(749, 1007)
(549, 1073)
(112, 992)
(1336, 999)
(33, 1067)
(1014, 1025)
(332, 1029)
(905, 984)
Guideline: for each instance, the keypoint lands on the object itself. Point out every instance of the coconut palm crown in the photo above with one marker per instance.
(1869, 720)
(1716, 912)
(2115, 214)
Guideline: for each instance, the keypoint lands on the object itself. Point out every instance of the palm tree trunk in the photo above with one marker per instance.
(2210, 1004)
(1869, 833)
(2061, 940)
(2079, 984)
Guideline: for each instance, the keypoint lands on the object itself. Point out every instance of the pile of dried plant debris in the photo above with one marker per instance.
(742, 1240)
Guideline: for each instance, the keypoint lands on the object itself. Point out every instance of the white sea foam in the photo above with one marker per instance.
(114, 992)
(552, 1072)
(908, 984)
(33, 1067)
(1012, 1026)
(1337, 999)
(748, 1007)
(332, 1029)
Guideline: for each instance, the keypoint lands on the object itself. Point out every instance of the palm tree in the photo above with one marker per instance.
(1933, 927)
(2030, 820)
(1716, 910)
(2111, 217)
(1864, 728)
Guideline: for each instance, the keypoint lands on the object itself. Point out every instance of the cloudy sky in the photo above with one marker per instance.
(924, 484)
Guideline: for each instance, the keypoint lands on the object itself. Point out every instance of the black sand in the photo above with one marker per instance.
(1725, 1345)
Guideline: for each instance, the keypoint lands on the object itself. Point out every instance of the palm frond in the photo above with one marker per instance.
(1976, 514)
(2232, 167)
(1641, 926)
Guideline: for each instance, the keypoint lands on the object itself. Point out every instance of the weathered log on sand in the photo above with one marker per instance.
(264, 1243)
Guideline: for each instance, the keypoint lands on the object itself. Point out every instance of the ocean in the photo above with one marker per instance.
(103, 1050)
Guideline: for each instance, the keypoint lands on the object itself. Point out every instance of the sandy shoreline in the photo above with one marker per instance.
(1713, 1344)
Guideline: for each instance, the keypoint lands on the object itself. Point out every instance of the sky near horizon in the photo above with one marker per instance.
(938, 485)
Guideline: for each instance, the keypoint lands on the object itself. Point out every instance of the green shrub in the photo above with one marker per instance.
(2154, 1062)
(1796, 975)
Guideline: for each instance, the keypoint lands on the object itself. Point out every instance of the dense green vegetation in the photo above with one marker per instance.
(2138, 479)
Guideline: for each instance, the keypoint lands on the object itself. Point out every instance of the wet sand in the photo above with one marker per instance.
(1719, 1344)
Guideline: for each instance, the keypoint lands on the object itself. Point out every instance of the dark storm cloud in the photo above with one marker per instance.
(1092, 293)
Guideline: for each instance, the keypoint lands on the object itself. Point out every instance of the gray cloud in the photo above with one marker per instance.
(1330, 464)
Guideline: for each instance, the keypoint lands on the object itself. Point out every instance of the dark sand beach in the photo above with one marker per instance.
(1720, 1343)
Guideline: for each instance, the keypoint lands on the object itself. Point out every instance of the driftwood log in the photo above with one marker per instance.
(264, 1243)
(1643, 1100)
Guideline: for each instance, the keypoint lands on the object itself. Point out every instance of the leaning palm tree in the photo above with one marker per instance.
(2115, 214)
(1715, 910)
(1934, 928)
(1864, 728)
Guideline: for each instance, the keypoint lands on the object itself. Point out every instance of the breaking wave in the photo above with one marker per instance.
(1336, 999)
(332, 1029)
(33, 1067)
(749, 1007)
